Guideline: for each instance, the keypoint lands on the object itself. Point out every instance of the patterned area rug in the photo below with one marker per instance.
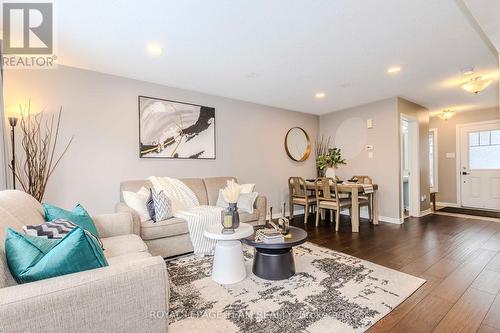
(331, 292)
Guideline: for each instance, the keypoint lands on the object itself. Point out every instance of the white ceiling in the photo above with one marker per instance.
(296, 48)
(486, 13)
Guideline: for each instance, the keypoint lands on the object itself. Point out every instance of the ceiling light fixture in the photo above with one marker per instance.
(476, 85)
(320, 95)
(394, 69)
(154, 49)
(446, 114)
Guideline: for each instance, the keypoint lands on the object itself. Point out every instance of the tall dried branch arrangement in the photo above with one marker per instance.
(321, 148)
(39, 141)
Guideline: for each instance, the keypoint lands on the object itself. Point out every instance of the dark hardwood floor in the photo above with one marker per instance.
(459, 258)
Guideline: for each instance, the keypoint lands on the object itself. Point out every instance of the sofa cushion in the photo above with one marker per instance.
(198, 187)
(134, 186)
(126, 258)
(78, 216)
(124, 244)
(167, 228)
(247, 217)
(138, 202)
(213, 185)
(37, 258)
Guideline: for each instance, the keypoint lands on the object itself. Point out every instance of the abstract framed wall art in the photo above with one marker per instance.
(171, 129)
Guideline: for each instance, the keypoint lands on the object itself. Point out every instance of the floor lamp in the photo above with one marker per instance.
(13, 123)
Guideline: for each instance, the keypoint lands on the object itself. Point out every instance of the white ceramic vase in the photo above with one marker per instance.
(330, 173)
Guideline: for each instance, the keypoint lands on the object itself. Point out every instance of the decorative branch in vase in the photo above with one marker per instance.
(230, 216)
(38, 161)
(330, 161)
(321, 148)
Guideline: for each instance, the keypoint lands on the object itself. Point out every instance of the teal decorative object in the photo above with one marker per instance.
(78, 216)
(37, 258)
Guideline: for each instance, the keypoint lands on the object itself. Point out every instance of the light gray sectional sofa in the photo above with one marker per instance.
(171, 237)
(117, 298)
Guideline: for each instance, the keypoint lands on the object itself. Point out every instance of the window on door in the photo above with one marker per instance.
(433, 160)
(484, 150)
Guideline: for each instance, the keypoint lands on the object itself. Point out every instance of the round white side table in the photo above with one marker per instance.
(228, 266)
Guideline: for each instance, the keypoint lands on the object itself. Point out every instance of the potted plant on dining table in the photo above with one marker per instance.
(330, 161)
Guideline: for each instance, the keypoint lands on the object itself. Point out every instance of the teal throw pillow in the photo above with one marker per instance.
(78, 216)
(36, 258)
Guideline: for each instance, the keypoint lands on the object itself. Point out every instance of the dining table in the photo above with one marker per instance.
(354, 189)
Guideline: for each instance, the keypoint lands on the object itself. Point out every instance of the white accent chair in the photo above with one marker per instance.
(126, 296)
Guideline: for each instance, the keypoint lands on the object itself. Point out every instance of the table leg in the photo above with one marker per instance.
(355, 209)
(229, 265)
(375, 207)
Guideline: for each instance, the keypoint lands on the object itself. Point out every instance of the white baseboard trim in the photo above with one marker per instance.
(364, 215)
(394, 220)
(425, 212)
(449, 204)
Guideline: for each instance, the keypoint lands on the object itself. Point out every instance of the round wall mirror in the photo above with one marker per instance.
(297, 144)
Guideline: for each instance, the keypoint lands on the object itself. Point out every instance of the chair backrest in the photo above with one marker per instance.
(297, 187)
(324, 190)
(364, 179)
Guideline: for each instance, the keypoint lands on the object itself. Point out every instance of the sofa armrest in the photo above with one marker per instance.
(261, 205)
(129, 297)
(116, 224)
(121, 207)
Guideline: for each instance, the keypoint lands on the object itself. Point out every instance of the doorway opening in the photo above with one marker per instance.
(409, 171)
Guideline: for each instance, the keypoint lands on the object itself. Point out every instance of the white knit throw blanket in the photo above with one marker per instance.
(185, 205)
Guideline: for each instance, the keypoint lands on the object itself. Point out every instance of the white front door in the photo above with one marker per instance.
(480, 165)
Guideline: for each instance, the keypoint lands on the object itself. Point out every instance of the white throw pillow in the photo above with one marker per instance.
(245, 188)
(245, 201)
(137, 201)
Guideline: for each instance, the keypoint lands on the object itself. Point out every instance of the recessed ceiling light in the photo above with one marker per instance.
(154, 49)
(394, 69)
(320, 95)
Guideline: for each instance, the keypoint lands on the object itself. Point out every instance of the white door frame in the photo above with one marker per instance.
(458, 149)
(436, 160)
(414, 160)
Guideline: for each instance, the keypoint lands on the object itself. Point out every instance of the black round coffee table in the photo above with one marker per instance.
(275, 261)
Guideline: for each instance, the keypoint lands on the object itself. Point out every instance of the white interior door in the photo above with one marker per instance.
(480, 166)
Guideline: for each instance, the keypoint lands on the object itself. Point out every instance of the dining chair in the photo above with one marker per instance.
(298, 195)
(366, 199)
(325, 199)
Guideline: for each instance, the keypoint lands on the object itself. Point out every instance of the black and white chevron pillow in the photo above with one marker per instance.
(56, 229)
(162, 205)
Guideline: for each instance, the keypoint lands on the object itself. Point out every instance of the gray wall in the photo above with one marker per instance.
(3, 140)
(384, 166)
(422, 115)
(100, 110)
(447, 173)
